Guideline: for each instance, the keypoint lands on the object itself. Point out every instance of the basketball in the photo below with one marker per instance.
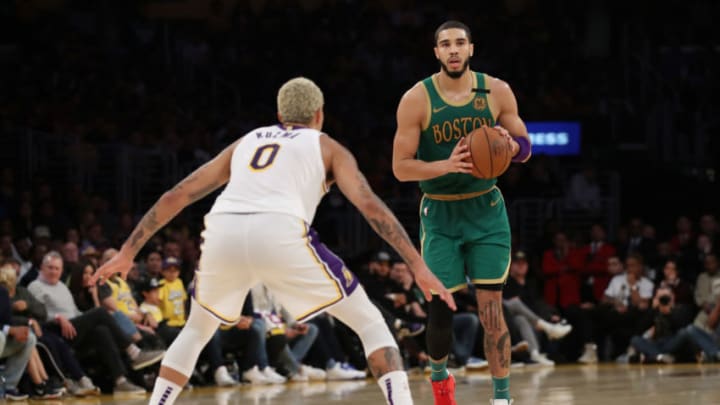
(489, 152)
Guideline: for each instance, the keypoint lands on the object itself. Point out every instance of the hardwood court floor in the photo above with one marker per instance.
(566, 385)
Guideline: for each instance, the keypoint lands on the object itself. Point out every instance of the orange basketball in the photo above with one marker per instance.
(489, 152)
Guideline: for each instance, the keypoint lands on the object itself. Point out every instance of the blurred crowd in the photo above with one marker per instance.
(113, 76)
(636, 296)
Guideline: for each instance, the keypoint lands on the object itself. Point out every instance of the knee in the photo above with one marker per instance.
(312, 331)
(440, 316)
(491, 316)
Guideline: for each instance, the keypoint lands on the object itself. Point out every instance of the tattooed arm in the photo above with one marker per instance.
(343, 168)
(197, 185)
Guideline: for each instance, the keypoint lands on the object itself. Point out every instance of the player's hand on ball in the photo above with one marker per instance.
(429, 284)
(459, 160)
(514, 146)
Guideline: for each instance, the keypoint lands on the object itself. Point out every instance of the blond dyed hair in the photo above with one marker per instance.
(8, 276)
(298, 100)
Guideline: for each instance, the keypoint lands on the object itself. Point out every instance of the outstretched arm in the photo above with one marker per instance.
(197, 185)
(355, 187)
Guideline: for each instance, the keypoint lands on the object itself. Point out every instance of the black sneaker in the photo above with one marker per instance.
(15, 395)
(43, 391)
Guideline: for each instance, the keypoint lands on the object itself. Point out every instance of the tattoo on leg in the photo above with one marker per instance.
(384, 360)
(504, 354)
(490, 315)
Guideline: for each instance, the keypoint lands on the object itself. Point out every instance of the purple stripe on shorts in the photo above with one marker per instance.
(337, 268)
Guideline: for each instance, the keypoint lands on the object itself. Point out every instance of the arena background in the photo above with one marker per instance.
(105, 104)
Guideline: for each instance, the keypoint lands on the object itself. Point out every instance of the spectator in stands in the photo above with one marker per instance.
(707, 289)
(584, 191)
(709, 227)
(692, 260)
(152, 268)
(376, 281)
(520, 301)
(16, 344)
(38, 252)
(684, 236)
(562, 279)
(26, 311)
(682, 290)
(173, 303)
(668, 335)
(247, 341)
(705, 334)
(626, 306)
(93, 330)
(282, 331)
(594, 257)
(124, 301)
(71, 258)
(637, 242)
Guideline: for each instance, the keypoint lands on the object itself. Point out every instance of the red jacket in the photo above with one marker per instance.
(595, 266)
(562, 281)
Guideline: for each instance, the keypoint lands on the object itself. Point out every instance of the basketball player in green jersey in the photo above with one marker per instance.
(465, 233)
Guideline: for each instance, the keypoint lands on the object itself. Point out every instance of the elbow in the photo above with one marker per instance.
(399, 173)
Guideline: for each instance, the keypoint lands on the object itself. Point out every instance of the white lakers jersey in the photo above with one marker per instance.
(275, 169)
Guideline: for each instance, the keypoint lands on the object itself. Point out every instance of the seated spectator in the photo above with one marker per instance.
(519, 300)
(327, 353)
(247, 341)
(584, 317)
(121, 303)
(593, 262)
(410, 298)
(562, 280)
(283, 332)
(152, 268)
(173, 299)
(706, 336)
(26, 310)
(682, 290)
(668, 335)
(707, 288)
(376, 281)
(626, 306)
(16, 346)
(38, 251)
(88, 296)
(95, 329)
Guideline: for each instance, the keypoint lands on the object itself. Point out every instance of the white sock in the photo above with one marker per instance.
(394, 386)
(165, 392)
(132, 351)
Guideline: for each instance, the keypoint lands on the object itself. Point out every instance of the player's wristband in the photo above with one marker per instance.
(524, 151)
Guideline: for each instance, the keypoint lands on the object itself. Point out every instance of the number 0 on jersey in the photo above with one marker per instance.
(264, 156)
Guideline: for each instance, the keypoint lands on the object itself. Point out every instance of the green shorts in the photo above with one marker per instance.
(466, 239)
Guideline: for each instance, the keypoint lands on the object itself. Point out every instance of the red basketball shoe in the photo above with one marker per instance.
(444, 391)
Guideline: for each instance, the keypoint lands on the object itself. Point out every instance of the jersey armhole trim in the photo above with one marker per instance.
(428, 112)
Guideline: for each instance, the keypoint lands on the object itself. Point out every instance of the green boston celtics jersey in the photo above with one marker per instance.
(449, 122)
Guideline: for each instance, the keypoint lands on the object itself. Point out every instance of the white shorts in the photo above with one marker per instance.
(278, 250)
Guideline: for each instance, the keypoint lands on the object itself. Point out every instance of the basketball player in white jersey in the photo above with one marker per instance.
(258, 231)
